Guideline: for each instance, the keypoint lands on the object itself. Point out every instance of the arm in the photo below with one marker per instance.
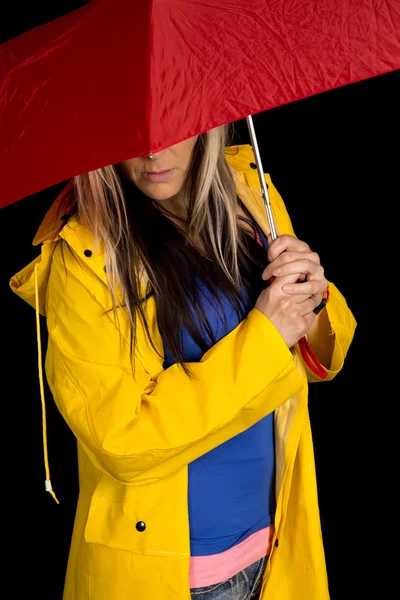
(322, 339)
(333, 329)
(331, 335)
(141, 428)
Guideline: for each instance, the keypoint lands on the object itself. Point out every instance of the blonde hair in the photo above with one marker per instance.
(211, 197)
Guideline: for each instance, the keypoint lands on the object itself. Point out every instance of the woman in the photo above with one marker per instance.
(173, 355)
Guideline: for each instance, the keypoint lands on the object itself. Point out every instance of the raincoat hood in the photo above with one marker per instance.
(30, 284)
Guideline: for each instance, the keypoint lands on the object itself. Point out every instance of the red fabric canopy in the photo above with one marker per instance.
(118, 78)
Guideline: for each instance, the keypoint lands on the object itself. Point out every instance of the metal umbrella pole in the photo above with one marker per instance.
(260, 170)
(306, 351)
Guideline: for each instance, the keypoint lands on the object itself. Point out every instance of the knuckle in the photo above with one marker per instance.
(315, 257)
(297, 316)
(306, 265)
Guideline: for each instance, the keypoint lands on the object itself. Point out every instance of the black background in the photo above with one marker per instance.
(334, 159)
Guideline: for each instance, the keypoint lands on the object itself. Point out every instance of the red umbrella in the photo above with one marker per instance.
(116, 79)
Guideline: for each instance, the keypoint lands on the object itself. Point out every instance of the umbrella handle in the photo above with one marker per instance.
(260, 170)
(311, 360)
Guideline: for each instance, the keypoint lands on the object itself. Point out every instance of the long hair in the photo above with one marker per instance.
(147, 254)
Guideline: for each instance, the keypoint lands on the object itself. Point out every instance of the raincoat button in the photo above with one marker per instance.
(105, 268)
(140, 525)
(253, 165)
(88, 253)
(276, 543)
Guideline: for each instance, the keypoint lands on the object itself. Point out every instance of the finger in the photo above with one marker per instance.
(307, 288)
(306, 307)
(300, 266)
(292, 255)
(281, 281)
(267, 275)
(288, 257)
(309, 319)
(284, 243)
(301, 298)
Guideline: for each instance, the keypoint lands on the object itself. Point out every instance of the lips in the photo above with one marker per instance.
(157, 176)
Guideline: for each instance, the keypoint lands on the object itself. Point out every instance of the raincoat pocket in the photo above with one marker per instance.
(138, 521)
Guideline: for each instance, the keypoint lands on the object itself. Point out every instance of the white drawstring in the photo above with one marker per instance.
(48, 485)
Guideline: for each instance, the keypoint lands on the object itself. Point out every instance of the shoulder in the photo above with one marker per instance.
(242, 163)
(241, 158)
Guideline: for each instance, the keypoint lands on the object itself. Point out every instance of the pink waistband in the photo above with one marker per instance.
(207, 570)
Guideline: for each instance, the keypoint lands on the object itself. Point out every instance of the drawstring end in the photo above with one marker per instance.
(49, 488)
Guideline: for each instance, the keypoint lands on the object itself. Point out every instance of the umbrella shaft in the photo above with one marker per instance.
(260, 170)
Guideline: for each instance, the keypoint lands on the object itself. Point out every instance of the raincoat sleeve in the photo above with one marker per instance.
(341, 319)
(143, 427)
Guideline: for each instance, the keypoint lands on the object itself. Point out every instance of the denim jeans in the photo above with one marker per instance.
(245, 585)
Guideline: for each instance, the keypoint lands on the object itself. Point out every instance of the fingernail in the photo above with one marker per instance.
(287, 288)
(276, 271)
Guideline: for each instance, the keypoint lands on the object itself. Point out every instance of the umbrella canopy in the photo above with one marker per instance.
(116, 79)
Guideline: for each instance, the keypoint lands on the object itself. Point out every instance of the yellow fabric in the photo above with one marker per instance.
(136, 435)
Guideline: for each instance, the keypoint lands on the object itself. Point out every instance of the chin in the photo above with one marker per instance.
(155, 192)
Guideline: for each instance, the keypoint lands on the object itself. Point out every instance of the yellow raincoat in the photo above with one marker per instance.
(136, 436)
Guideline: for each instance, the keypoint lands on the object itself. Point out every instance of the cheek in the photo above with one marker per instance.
(129, 169)
(188, 152)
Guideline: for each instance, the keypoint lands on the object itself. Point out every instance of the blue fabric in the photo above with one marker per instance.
(231, 488)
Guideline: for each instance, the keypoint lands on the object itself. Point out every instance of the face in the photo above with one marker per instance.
(163, 177)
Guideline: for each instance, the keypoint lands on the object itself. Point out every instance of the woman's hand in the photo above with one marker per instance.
(290, 256)
(291, 314)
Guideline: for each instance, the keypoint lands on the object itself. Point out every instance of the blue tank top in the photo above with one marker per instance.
(231, 492)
